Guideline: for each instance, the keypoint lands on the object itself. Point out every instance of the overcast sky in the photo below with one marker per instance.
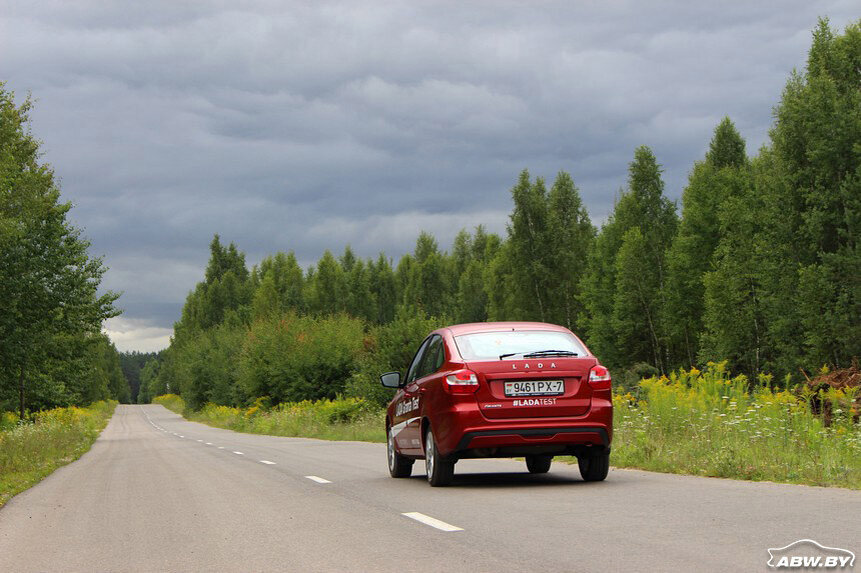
(311, 125)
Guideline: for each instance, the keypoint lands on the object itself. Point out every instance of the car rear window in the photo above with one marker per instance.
(492, 345)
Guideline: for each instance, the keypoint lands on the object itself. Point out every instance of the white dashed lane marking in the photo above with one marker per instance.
(428, 520)
(267, 462)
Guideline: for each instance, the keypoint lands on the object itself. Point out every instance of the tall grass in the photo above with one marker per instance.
(710, 423)
(29, 451)
(353, 419)
(706, 423)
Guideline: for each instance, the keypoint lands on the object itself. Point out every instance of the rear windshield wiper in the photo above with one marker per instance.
(538, 353)
(550, 353)
(501, 356)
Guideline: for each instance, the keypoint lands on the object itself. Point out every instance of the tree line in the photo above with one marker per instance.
(759, 266)
(52, 350)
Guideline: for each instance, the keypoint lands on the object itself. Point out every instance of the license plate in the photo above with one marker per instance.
(535, 388)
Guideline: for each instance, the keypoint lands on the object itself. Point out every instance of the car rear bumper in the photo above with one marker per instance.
(464, 432)
(534, 437)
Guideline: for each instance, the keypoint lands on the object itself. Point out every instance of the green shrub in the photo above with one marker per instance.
(295, 358)
(391, 347)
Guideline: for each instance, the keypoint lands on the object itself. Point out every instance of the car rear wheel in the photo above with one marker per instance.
(538, 464)
(440, 470)
(399, 466)
(594, 467)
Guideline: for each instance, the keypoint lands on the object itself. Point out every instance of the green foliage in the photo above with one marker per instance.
(471, 256)
(427, 287)
(132, 363)
(787, 261)
(351, 419)
(727, 148)
(106, 365)
(285, 285)
(722, 176)
(225, 293)
(711, 423)
(389, 348)
(625, 325)
(172, 402)
(734, 307)
(536, 273)
(570, 238)
(327, 289)
(48, 282)
(149, 382)
(384, 289)
(635, 308)
(210, 371)
(529, 248)
(293, 358)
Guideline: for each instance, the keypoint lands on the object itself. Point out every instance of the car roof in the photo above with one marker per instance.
(472, 327)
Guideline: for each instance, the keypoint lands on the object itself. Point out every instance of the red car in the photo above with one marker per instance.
(496, 390)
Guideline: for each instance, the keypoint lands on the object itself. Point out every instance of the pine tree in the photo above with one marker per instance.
(266, 302)
(723, 174)
(329, 287)
(645, 207)
(636, 306)
(791, 277)
(735, 327)
(360, 298)
(383, 289)
(570, 237)
(426, 286)
(498, 278)
(817, 208)
(529, 248)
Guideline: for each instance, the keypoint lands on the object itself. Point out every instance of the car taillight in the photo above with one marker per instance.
(461, 382)
(599, 378)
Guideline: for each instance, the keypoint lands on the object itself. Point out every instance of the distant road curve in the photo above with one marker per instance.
(158, 493)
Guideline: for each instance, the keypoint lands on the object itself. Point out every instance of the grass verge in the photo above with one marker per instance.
(708, 423)
(351, 419)
(29, 451)
(704, 423)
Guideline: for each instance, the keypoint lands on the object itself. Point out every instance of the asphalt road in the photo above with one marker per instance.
(158, 493)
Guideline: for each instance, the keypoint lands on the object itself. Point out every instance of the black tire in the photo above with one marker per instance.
(399, 466)
(594, 467)
(440, 470)
(538, 464)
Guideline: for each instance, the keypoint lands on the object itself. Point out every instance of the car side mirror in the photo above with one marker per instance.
(391, 379)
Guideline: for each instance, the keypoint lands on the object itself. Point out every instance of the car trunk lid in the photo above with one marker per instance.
(539, 400)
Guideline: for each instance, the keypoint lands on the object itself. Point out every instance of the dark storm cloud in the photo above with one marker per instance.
(308, 126)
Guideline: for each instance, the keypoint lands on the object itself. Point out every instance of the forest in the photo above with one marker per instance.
(759, 266)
